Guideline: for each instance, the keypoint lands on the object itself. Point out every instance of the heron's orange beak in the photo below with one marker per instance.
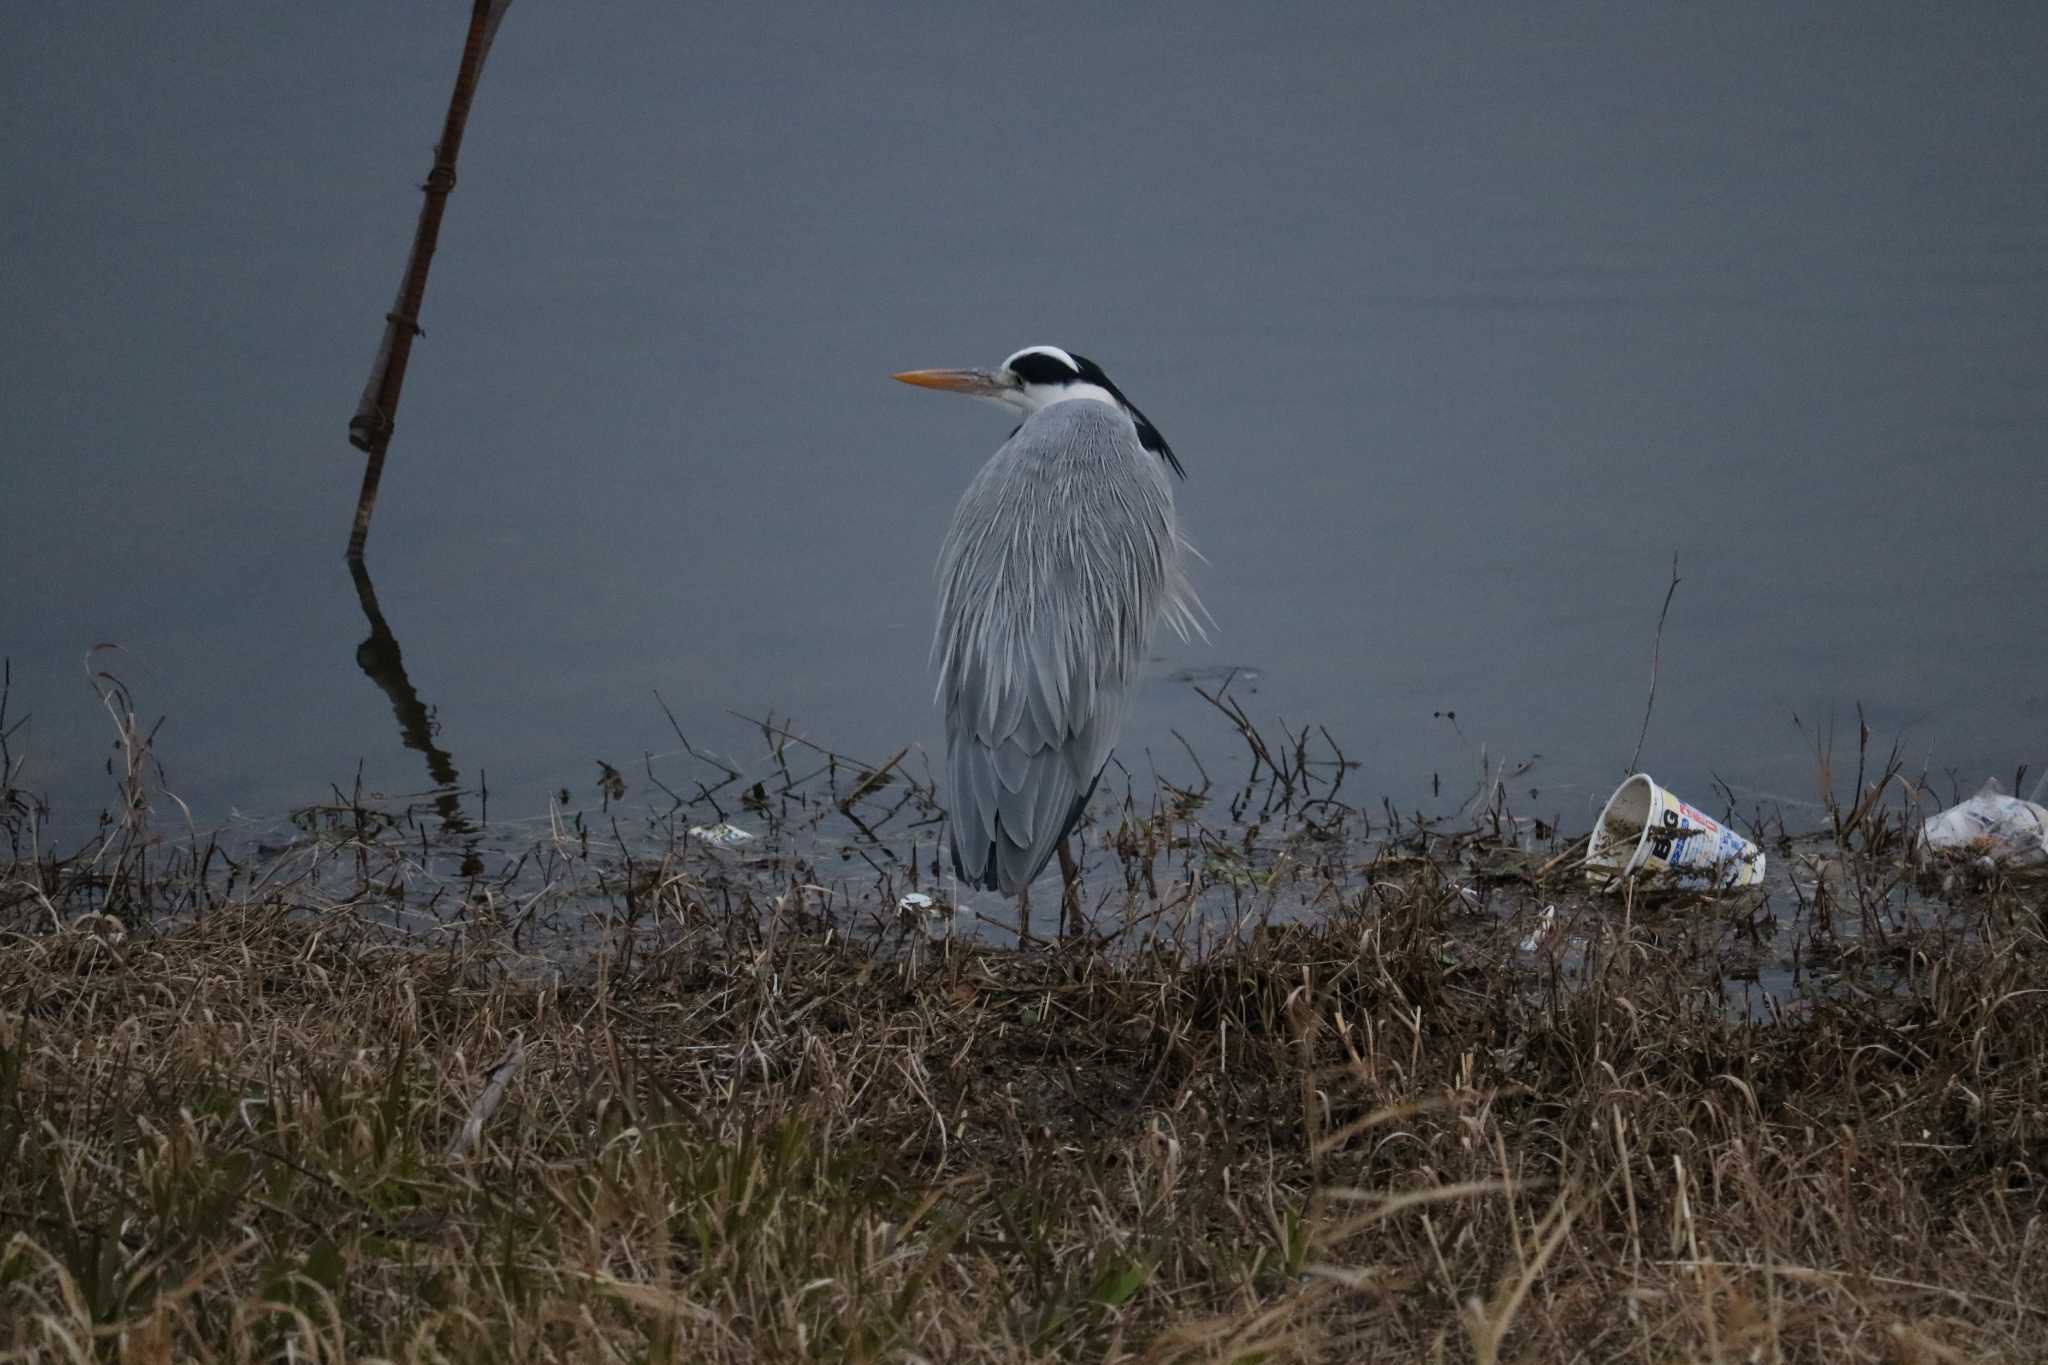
(977, 382)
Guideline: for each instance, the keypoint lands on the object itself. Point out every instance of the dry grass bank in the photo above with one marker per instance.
(236, 1131)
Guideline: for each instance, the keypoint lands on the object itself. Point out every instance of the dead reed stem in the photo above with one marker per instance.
(1656, 655)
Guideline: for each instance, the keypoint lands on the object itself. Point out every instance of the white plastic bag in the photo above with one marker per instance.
(1991, 825)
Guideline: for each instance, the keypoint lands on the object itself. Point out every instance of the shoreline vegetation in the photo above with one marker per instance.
(1317, 1087)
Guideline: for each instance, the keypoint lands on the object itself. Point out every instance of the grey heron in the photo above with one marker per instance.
(1062, 559)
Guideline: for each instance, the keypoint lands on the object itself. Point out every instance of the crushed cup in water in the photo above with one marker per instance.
(1645, 831)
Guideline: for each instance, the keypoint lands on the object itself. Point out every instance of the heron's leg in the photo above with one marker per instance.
(1024, 917)
(1070, 890)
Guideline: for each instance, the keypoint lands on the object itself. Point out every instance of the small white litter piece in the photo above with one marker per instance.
(722, 835)
(932, 917)
(1545, 923)
(1992, 827)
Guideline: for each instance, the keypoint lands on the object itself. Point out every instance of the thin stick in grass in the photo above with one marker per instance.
(496, 1078)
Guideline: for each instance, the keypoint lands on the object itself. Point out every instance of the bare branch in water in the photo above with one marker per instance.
(377, 411)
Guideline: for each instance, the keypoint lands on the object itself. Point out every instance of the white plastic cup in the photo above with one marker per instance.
(1644, 831)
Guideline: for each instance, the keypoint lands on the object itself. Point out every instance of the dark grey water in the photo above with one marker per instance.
(1464, 319)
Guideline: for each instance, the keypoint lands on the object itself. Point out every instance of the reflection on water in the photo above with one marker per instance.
(384, 663)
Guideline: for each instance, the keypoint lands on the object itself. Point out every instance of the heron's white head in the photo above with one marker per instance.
(1037, 377)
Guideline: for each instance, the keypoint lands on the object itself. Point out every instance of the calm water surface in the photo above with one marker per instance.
(1465, 323)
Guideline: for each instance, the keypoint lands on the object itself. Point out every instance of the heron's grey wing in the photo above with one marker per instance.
(1063, 555)
(1017, 794)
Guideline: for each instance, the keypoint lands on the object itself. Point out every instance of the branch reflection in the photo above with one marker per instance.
(380, 659)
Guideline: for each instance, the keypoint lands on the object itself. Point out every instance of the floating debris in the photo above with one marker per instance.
(1992, 827)
(722, 835)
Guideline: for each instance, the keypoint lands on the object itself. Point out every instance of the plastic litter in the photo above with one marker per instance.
(722, 835)
(1991, 826)
(1645, 830)
(1546, 923)
(930, 916)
